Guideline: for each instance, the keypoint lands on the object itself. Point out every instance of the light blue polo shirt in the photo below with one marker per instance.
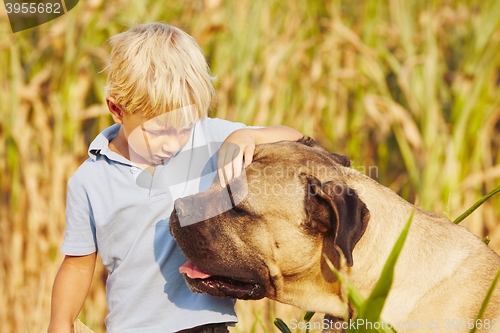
(116, 208)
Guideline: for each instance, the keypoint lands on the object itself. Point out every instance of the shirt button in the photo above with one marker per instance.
(133, 170)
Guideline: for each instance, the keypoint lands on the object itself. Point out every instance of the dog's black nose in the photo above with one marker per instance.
(181, 208)
(202, 207)
(189, 210)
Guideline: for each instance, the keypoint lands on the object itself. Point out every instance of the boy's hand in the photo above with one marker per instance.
(235, 154)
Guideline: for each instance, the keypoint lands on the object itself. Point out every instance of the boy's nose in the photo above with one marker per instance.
(171, 146)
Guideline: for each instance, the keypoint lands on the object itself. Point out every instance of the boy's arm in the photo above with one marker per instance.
(71, 286)
(237, 151)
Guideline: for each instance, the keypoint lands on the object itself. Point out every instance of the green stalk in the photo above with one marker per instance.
(476, 205)
(486, 301)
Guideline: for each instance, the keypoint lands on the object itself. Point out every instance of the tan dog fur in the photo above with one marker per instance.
(302, 202)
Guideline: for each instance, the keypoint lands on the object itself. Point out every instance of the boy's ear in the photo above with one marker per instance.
(115, 111)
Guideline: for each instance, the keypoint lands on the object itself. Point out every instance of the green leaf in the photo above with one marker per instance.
(307, 318)
(476, 205)
(280, 324)
(486, 300)
(371, 309)
(357, 300)
(308, 315)
(375, 302)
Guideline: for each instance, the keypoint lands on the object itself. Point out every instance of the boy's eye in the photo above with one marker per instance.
(168, 131)
(152, 133)
(186, 129)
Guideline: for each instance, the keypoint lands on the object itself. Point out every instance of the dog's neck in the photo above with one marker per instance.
(312, 296)
(389, 213)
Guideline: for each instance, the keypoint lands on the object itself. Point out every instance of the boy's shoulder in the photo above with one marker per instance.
(94, 167)
(88, 172)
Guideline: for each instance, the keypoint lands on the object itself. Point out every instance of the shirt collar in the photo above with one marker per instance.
(100, 145)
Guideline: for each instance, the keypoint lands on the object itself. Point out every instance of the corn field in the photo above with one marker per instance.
(408, 89)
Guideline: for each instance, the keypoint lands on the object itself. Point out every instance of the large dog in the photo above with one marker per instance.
(296, 202)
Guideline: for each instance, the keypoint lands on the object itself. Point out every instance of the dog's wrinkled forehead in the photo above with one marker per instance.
(288, 159)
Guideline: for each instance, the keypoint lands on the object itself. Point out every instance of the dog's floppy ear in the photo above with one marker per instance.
(338, 209)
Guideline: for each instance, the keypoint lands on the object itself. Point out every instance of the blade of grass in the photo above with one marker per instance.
(476, 205)
(260, 321)
(280, 324)
(307, 318)
(486, 301)
(373, 306)
(357, 300)
(308, 315)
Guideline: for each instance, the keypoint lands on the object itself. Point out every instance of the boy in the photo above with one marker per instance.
(119, 201)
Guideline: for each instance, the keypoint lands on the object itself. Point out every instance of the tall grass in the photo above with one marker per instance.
(408, 86)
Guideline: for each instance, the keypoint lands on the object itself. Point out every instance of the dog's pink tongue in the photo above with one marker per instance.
(192, 271)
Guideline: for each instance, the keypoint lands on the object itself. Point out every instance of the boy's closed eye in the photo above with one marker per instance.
(152, 133)
(168, 131)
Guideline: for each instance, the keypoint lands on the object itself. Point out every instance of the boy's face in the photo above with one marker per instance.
(153, 141)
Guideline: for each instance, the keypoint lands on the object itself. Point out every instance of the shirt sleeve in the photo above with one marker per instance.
(79, 236)
(218, 129)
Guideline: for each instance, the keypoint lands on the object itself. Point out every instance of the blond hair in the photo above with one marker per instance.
(155, 68)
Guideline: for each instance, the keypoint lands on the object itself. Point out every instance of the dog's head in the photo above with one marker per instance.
(270, 226)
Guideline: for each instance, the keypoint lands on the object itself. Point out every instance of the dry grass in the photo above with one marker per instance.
(412, 89)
